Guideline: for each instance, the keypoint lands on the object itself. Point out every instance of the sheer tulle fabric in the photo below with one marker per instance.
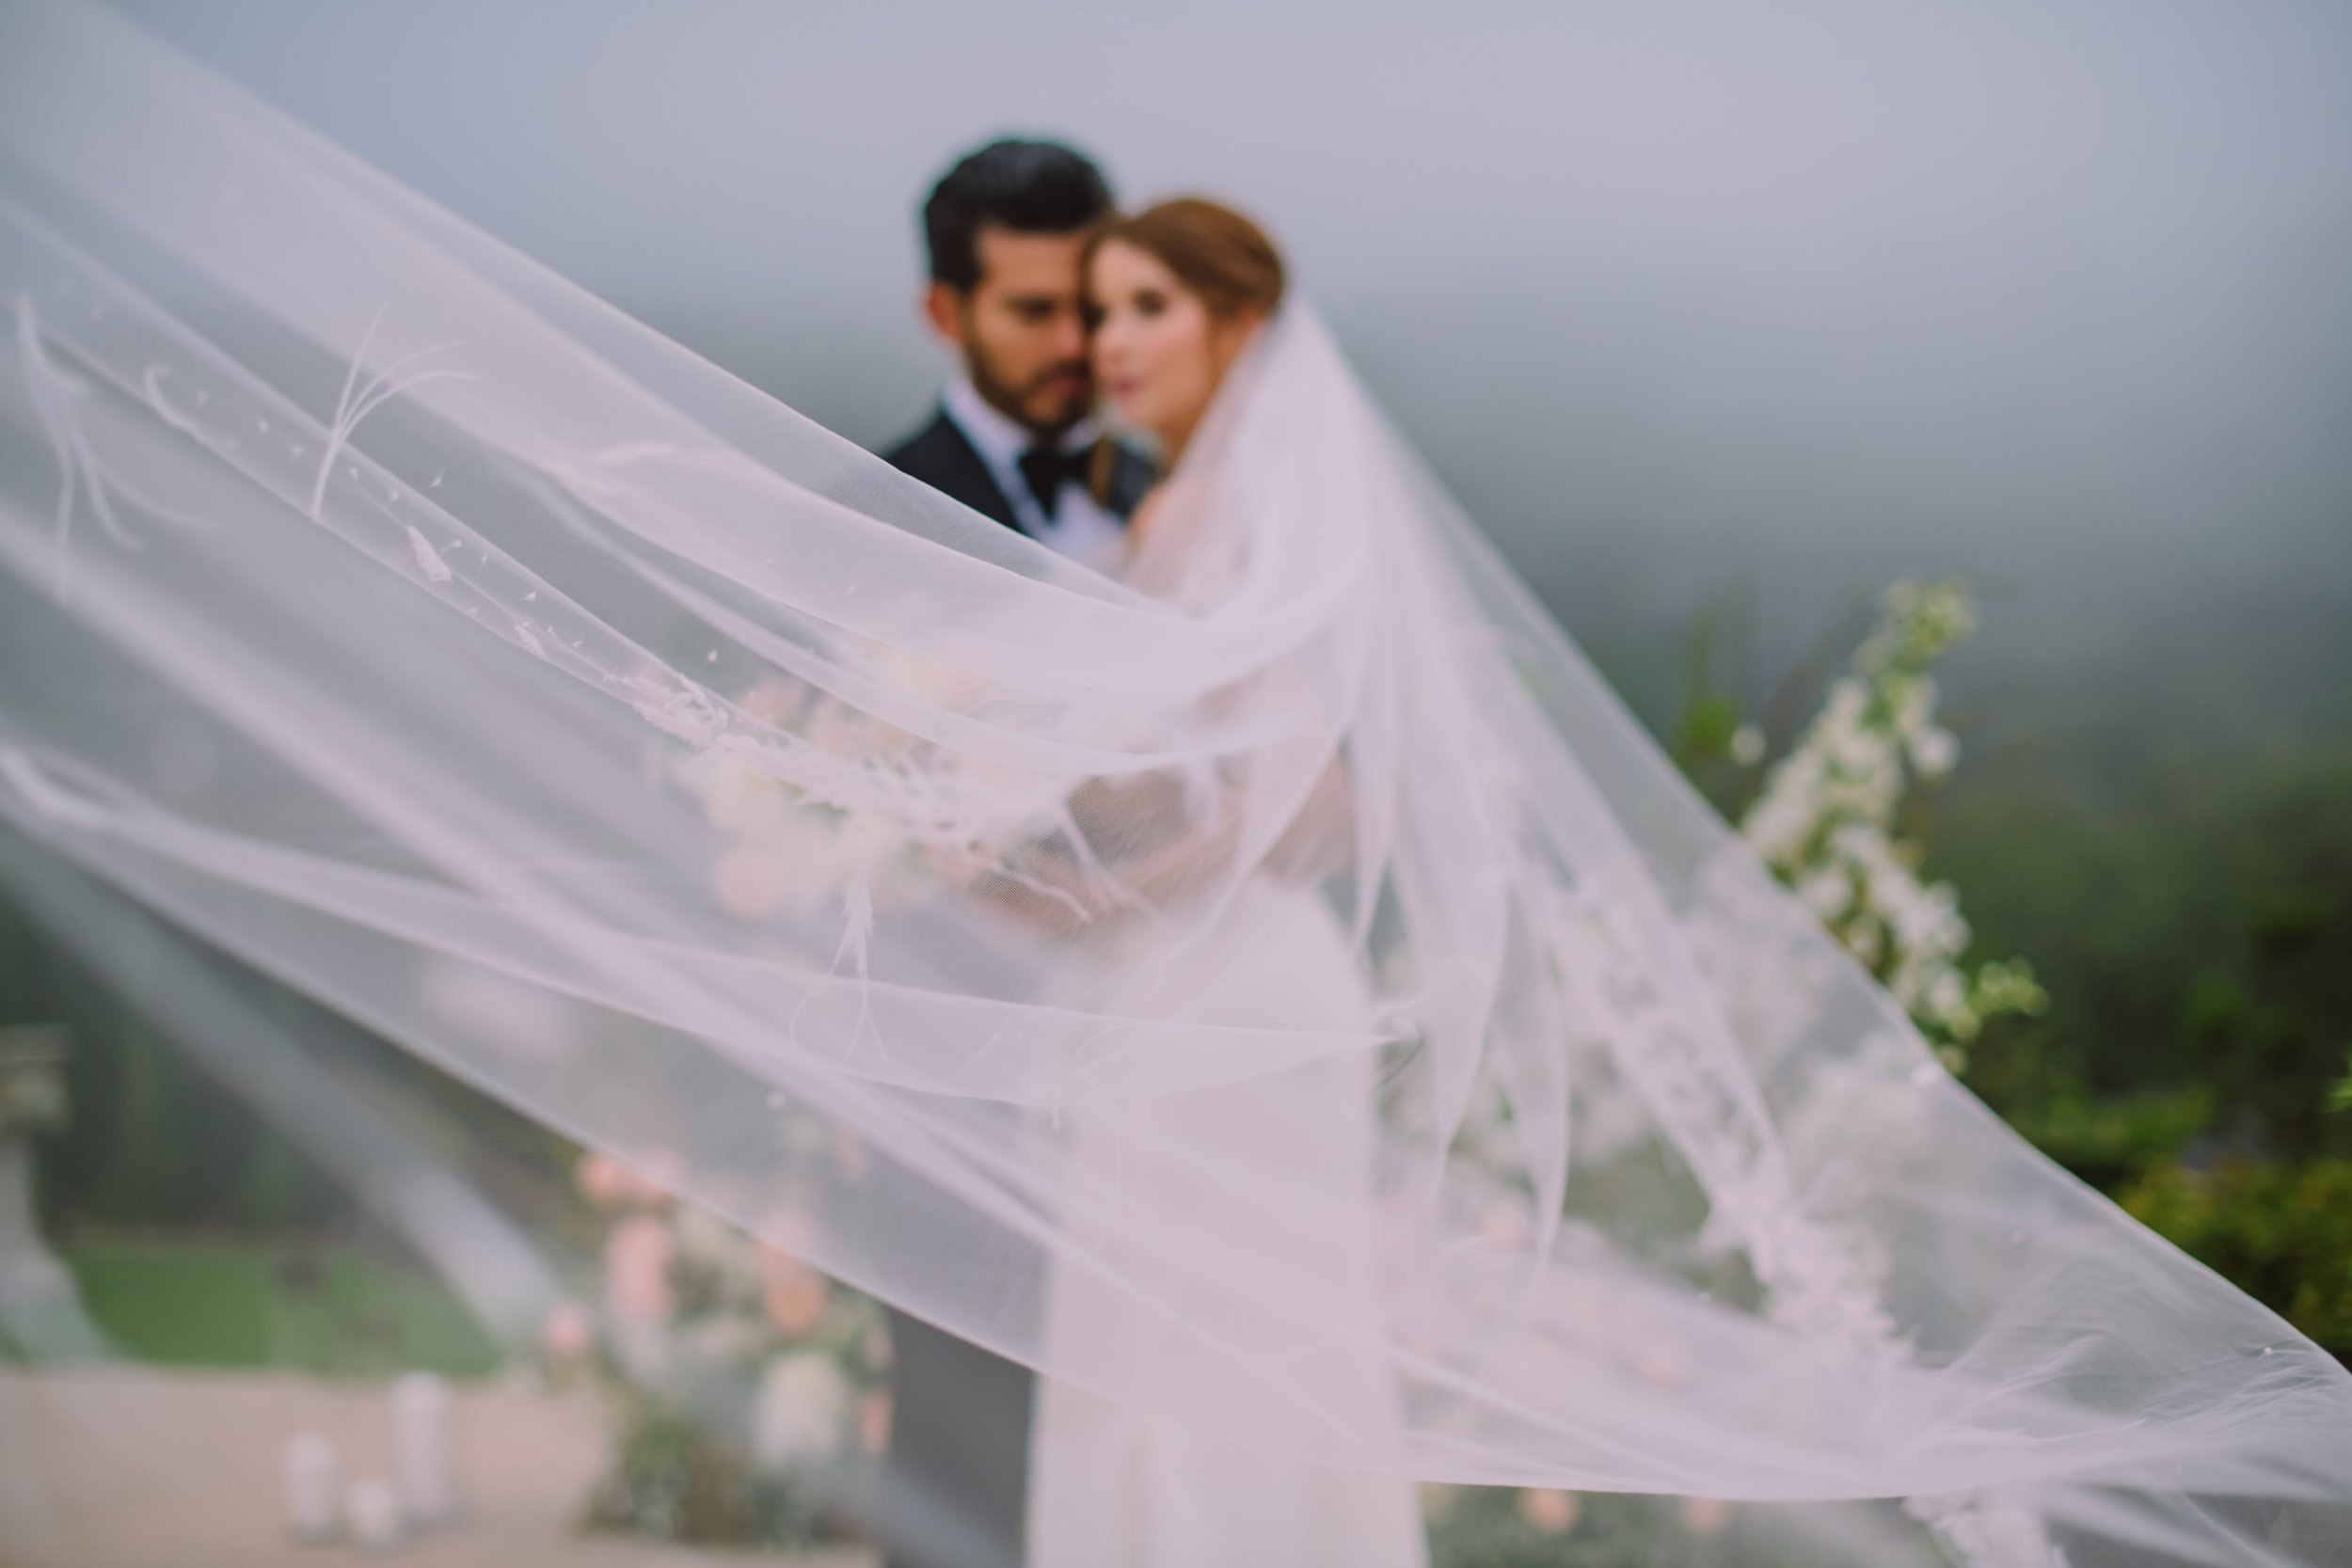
(430, 636)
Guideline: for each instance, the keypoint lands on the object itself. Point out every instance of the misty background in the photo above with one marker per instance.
(1745, 309)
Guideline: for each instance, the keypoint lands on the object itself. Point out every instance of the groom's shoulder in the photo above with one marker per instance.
(944, 458)
(935, 440)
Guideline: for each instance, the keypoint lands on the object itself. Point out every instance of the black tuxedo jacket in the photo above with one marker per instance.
(958, 1473)
(942, 457)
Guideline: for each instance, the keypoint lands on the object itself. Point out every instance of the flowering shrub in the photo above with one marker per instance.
(1826, 821)
(747, 1382)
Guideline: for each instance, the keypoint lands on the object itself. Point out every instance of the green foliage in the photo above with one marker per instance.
(1708, 731)
(2109, 1140)
(2193, 937)
(2280, 1229)
(155, 1144)
(340, 1311)
(1479, 1527)
(674, 1478)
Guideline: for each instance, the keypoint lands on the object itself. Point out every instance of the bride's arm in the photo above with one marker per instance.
(1150, 846)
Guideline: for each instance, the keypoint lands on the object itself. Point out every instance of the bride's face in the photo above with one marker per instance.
(1159, 350)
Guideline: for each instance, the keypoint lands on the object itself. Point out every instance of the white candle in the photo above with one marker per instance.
(422, 1459)
(371, 1514)
(312, 1476)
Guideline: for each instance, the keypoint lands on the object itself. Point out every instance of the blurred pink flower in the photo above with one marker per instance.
(636, 1270)
(873, 1423)
(568, 1331)
(1549, 1511)
(604, 1181)
(1706, 1515)
(795, 1295)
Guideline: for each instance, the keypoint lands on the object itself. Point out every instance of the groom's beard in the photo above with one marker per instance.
(1048, 401)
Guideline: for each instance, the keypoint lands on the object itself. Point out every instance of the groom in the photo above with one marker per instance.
(1014, 440)
(1012, 437)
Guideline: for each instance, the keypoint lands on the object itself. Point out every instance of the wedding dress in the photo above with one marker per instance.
(1109, 1483)
(405, 623)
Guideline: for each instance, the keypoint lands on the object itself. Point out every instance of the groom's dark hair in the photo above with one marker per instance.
(1032, 187)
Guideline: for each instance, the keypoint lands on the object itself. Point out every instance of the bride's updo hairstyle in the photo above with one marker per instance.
(1213, 250)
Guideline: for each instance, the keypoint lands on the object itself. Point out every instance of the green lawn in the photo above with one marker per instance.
(339, 1312)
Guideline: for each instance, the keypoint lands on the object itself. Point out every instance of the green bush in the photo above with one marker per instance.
(1485, 1527)
(340, 1311)
(2280, 1230)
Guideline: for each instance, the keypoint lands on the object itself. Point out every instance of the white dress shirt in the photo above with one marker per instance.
(1080, 528)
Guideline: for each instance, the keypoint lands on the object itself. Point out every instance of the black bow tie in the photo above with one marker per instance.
(1046, 470)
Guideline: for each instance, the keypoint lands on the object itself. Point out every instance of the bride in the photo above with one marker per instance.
(1176, 296)
(1278, 994)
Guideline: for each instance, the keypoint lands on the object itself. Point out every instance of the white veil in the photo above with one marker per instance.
(421, 631)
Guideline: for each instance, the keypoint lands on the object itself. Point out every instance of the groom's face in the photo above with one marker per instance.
(1022, 328)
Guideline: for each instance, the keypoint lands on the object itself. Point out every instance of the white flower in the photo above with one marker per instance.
(1860, 753)
(569, 1333)
(1860, 843)
(1827, 893)
(1913, 701)
(1776, 828)
(637, 1271)
(1933, 751)
(801, 1413)
(1926, 920)
(1947, 995)
(1747, 745)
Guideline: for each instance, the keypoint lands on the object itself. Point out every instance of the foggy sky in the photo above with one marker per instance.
(1679, 300)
